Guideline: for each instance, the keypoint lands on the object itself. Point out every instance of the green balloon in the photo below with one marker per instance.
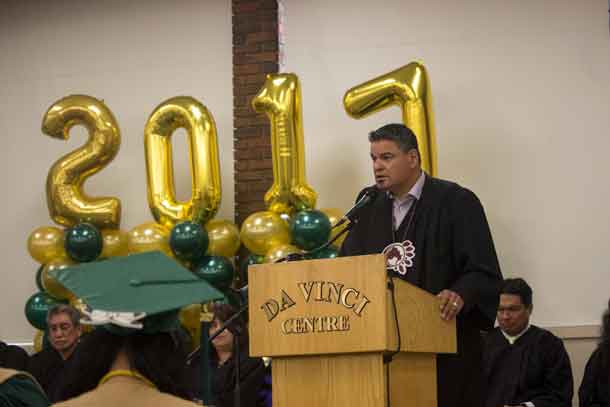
(326, 253)
(247, 262)
(36, 309)
(216, 270)
(188, 241)
(310, 229)
(83, 242)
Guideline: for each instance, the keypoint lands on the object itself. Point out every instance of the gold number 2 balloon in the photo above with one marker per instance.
(280, 99)
(182, 112)
(409, 88)
(68, 204)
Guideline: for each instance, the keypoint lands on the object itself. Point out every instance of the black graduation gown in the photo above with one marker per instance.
(48, 367)
(536, 368)
(252, 375)
(453, 250)
(13, 357)
(595, 386)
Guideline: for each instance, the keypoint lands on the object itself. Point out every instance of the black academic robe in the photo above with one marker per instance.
(48, 367)
(595, 387)
(536, 368)
(13, 357)
(453, 250)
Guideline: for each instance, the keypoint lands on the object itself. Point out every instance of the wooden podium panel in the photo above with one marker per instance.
(343, 311)
(337, 380)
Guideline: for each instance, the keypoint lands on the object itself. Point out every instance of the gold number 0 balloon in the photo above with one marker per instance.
(409, 88)
(182, 112)
(68, 204)
(280, 99)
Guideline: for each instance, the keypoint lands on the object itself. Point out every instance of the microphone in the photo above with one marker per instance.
(367, 197)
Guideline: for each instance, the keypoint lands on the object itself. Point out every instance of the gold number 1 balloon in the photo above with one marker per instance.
(280, 99)
(182, 112)
(68, 204)
(409, 88)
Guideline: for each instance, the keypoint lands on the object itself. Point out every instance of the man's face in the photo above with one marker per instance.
(394, 170)
(513, 316)
(63, 335)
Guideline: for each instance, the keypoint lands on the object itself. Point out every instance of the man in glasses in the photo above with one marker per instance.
(524, 365)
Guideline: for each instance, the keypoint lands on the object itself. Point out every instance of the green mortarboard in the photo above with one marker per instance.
(140, 291)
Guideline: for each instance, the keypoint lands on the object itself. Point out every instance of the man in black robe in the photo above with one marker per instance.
(447, 250)
(48, 365)
(524, 365)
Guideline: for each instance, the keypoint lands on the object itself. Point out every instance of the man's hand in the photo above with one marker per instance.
(451, 304)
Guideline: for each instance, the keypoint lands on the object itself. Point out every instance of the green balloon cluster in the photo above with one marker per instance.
(83, 242)
(310, 229)
(188, 241)
(216, 270)
(326, 253)
(36, 309)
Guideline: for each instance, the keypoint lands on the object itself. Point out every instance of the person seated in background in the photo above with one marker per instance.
(64, 330)
(524, 365)
(13, 357)
(18, 389)
(223, 357)
(595, 387)
(254, 385)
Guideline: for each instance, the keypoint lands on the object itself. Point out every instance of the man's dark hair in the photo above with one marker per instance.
(398, 133)
(605, 337)
(518, 286)
(70, 311)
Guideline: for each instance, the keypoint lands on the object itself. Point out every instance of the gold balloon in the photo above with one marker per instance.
(182, 112)
(68, 204)
(148, 237)
(115, 243)
(224, 238)
(334, 215)
(38, 340)
(280, 99)
(262, 231)
(51, 285)
(409, 88)
(46, 243)
(190, 318)
(280, 252)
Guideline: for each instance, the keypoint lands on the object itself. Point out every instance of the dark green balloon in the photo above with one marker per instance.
(83, 242)
(36, 309)
(216, 270)
(327, 253)
(310, 229)
(188, 241)
(247, 262)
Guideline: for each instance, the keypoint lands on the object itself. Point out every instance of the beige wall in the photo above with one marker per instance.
(132, 54)
(522, 100)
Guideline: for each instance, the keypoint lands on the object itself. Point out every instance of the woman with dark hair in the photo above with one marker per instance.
(157, 360)
(254, 389)
(595, 387)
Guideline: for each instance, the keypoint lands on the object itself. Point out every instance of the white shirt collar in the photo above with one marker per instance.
(414, 192)
(513, 339)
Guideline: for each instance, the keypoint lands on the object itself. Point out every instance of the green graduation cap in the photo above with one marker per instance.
(142, 292)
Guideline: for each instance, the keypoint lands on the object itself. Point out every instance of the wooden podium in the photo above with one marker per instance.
(328, 323)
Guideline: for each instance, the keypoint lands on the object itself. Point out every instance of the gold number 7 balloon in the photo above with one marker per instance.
(409, 88)
(280, 99)
(188, 113)
(68, 204)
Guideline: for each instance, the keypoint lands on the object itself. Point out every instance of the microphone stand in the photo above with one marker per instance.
(236, 352)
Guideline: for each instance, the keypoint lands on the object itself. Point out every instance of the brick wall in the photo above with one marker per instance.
(255, 54)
